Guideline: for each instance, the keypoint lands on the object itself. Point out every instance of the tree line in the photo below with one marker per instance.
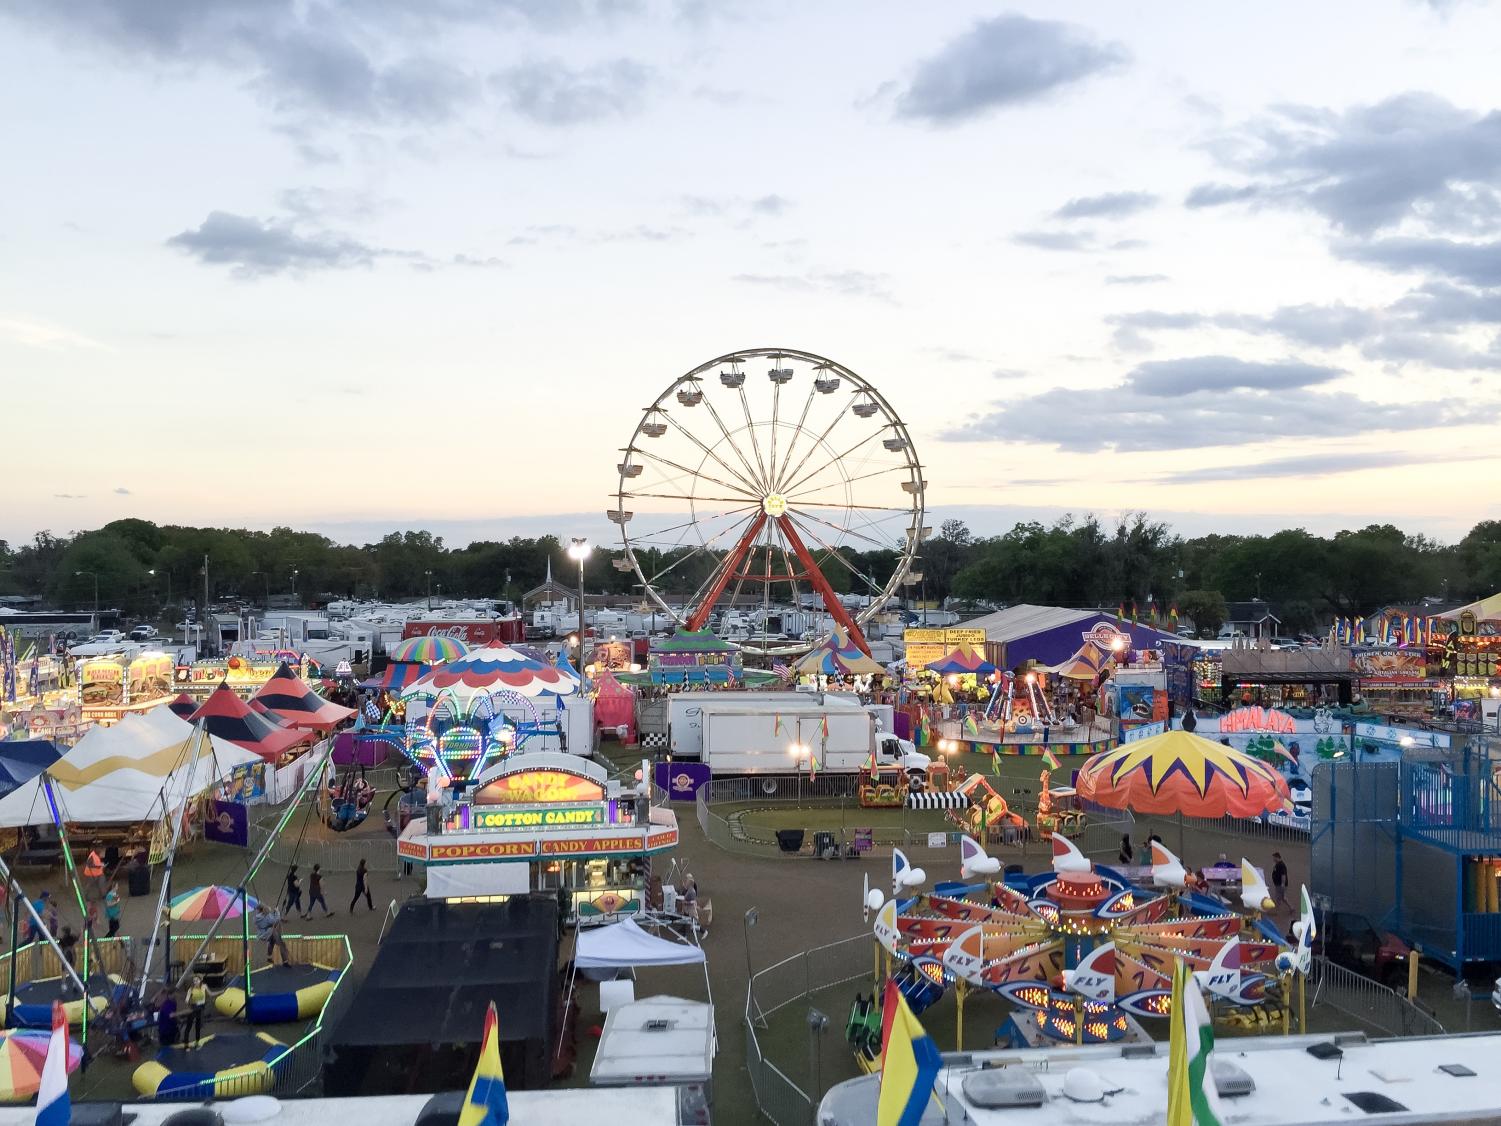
(141, 567)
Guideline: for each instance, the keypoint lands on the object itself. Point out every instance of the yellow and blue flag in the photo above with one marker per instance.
(909, 1063)
(485, 1104)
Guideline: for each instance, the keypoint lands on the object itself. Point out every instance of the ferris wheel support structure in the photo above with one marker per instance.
(739, 493)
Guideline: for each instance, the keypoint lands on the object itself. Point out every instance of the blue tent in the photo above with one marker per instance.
(22, 760)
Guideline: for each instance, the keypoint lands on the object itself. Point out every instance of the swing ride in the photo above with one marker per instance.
(738, 487)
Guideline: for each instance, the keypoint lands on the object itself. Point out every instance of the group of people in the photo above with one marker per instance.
(291, 900)
(1198, 879)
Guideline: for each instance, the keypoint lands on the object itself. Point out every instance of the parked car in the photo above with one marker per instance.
(142, 633)
(1350, 940)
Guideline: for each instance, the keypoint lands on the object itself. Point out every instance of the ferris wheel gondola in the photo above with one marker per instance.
(739, 489)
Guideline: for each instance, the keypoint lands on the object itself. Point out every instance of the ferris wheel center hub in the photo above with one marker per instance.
(774, 505)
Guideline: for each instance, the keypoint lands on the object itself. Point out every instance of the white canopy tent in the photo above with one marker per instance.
(625, 946)
(133, 771)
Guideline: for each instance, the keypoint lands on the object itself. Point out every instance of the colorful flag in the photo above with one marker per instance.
(781, 670)
(1172, 616)
(1050, 758)
(1135, 615)
(971, 725)
(485, 1104)
(53, 1107)
(1191, 1098)
(776, 724)
(1120, 611)
(910, 1062)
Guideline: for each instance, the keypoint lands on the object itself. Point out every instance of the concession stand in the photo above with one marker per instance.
(546, 821)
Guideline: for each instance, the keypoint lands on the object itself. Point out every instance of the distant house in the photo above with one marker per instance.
(1253, 619)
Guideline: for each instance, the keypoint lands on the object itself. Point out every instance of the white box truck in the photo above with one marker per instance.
(687, 712)
(840, 740)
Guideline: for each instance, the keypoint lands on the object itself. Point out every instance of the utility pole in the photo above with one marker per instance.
(203, 618)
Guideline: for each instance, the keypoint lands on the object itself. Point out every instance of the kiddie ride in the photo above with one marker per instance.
(1079, 950)
(887, 787)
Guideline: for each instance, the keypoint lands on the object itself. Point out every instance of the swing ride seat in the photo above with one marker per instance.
(279, 993)
(223, 1065)
(34, 999)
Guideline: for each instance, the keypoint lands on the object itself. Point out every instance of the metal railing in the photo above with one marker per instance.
(1368, 1002)
(298, 1067)
(778, 1096)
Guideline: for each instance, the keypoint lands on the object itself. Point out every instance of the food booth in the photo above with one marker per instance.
(546, 821)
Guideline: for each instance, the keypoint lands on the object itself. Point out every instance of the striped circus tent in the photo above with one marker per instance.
(1086, 664)
(182, 706)
(838, 656)
(961, 659)
(950, 799)
(295, 704)
(498, 668)
(226, 715)
(397, 676)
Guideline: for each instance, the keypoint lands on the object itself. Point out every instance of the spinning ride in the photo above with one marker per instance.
(1080, 948)
(726, 491)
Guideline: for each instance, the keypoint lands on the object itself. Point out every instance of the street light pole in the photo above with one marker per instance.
(429, 576)
(295, 573)
(579, 550)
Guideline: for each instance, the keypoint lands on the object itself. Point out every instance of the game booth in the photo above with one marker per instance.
(542, 822)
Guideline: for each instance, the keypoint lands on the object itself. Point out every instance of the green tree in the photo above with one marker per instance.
(1205, 608)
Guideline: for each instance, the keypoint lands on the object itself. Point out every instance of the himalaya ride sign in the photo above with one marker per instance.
(540, 817)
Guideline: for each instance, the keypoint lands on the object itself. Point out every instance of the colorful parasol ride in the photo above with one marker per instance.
(838, 656)
(431, 649)
(1179, 772)
(23, 1052)
(205, 904)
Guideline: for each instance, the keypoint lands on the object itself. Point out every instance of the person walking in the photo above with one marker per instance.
(192, 1025)
(361, 886)
(112, 910)
(315, 893)
(268, 930)
(1279, 880)
(293, 897)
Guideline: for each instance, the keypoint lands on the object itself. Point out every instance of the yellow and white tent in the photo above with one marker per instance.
(134, 771)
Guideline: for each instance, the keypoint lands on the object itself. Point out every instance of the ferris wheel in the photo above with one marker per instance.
(770, 479)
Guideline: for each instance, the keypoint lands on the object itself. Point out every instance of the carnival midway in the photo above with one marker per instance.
(774, 840)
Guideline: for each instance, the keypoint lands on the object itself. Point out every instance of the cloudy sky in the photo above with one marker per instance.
(340, 265)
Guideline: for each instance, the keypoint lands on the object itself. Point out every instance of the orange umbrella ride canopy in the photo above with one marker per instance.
(1180, 772)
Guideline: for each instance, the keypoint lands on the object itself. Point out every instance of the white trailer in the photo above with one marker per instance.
(838, 740)
(686, 712)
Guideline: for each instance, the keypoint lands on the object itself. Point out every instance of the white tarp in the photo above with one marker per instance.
(459, 881)
(619, 946)
(657, 1040)
(120, 774)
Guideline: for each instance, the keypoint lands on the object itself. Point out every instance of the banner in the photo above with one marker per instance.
(227, 822)
(681, 780)
(475, 634)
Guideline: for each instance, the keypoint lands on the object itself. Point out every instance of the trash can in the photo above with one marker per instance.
(139, 881)
(790, 840)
